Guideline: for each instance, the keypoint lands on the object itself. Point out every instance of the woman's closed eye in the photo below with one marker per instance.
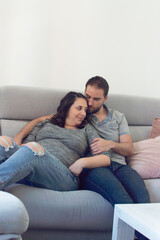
(80, 108)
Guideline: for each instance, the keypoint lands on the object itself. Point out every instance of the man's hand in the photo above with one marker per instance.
(124, 147)
(100, 145)
(29, 127)
(18, 140)
(77, 167)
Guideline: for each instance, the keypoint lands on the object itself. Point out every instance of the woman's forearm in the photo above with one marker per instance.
(89, 162)
(95, 161)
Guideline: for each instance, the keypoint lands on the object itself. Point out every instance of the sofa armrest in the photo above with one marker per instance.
(14, 218)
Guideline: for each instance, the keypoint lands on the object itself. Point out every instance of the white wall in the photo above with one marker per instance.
(62, 43)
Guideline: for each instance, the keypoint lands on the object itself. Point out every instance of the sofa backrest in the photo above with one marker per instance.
(20, 104)
(139, 112)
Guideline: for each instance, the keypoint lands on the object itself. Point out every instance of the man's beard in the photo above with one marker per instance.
(94, 110)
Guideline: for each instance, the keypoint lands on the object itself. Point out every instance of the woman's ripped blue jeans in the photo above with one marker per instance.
(33, 165)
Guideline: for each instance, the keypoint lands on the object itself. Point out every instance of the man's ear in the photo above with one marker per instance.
(105, 99)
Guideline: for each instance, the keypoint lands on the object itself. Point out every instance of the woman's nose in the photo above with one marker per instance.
(83, 113)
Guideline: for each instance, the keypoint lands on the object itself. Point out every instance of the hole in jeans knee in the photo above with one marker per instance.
(6, 142)
(36, 148)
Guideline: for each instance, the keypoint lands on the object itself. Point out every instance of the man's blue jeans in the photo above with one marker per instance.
(117, 183)
(39, 170)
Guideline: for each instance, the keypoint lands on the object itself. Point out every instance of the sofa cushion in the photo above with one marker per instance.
(71, 210)
(146, 158)
(152, 186)
(11, 127)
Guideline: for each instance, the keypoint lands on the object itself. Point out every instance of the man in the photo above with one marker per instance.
(117, 183)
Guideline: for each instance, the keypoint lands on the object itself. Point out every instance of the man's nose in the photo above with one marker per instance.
(90, 102)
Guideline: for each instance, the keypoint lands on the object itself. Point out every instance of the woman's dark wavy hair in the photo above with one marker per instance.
(64, 107)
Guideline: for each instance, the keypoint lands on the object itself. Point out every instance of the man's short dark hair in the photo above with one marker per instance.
(99, 82)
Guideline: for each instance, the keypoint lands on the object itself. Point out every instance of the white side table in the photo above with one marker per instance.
(145, 218)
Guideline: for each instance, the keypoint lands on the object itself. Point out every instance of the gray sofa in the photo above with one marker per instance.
(82, 214)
